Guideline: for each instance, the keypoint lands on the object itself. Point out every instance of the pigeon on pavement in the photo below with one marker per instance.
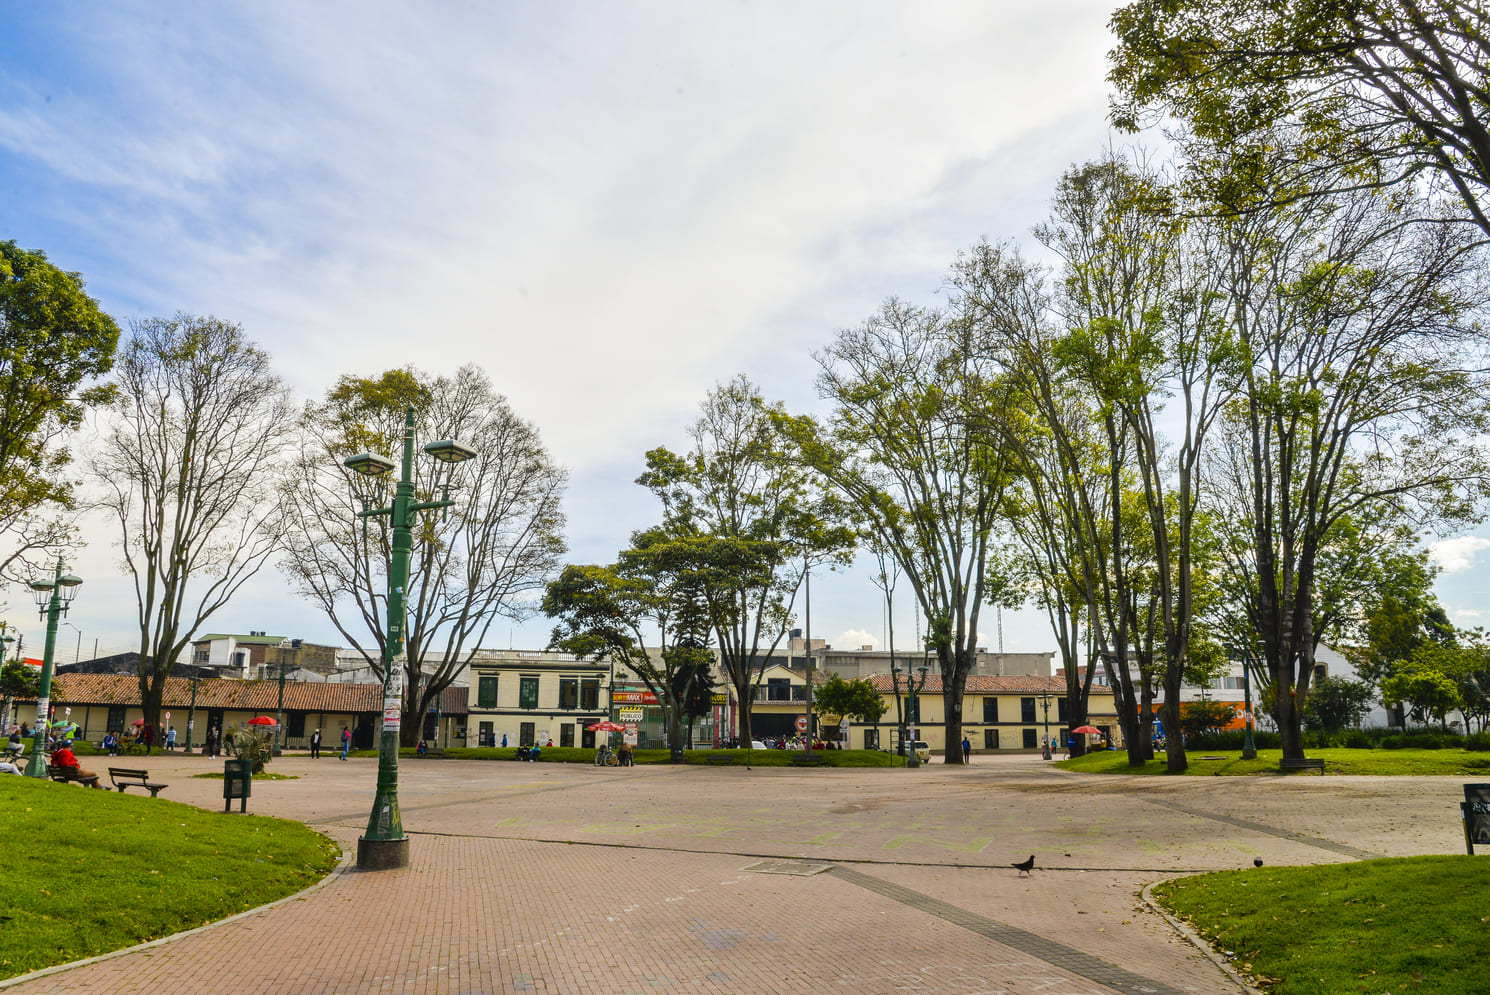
(1025, 866)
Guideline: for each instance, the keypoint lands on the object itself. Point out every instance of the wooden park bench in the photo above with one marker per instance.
(66, 775)
(718, 758)
(125, 777)
(1294, 766)
(813, 759)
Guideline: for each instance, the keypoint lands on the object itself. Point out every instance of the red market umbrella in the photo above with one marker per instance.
(606, 726)
(262, 720)
(1087, 730)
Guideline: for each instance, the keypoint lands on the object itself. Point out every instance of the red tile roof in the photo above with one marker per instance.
(255, 696)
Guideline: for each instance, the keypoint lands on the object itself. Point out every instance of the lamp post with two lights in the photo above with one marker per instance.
(384, 844)
(53, 598)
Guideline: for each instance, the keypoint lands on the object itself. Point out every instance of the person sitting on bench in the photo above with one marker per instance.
(63, 757)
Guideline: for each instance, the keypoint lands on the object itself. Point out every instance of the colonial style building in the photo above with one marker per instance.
(535, 697)
(101, 703)
(1010, 713)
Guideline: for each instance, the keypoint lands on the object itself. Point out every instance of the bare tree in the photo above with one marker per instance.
(489, 557)
(190, 464)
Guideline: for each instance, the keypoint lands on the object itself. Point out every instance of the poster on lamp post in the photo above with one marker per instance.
(393, 694)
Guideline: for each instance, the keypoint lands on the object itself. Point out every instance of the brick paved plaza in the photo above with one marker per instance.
(571, 878)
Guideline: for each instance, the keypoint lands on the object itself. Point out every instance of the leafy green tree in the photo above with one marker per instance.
(606, 612)
(1355, 394)
(17, 680)
(1201, 717)
(854, 699)
(692, 678)
(749, 520)
(911, 443)
(1136, 325)
(54, 345)
(1429, 693)
(1376, 94)
(1336, 703)
(483, 559)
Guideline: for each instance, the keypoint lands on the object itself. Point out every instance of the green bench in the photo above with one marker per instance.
(125, 777)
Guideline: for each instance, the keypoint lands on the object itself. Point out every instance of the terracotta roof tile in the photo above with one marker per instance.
(216, 692)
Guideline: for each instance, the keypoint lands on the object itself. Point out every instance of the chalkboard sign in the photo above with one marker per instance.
(1476, 810)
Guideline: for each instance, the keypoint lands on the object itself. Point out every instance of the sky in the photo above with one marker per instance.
(610, 207)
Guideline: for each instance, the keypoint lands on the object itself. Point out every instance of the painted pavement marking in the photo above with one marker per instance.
(1059, 954)
(1314, 841)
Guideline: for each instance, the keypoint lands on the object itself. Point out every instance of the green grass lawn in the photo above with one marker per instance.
(737, 758)
(1449, 762)
(1415, 924)
(87, 872)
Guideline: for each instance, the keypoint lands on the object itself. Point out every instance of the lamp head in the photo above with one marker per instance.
(41, 592)
(369, 464)
(450, 451)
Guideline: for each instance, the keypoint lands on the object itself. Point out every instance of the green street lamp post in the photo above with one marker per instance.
(1045, 701)
(1249, 748)
(53, 597)
(384, 845)
(191, 712)
(912, 711)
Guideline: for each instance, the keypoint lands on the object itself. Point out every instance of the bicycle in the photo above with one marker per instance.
(606, 757)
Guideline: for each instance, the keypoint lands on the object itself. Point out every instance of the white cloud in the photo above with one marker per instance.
(854, 639)
(610, 207)
(1457, 555)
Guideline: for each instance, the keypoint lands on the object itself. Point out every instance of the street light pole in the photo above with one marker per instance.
(1249, 748)
(384, 844)
(912, 711)
(895, 690)
(279, 716)
(53, 597)
(807, 581)
(191, 712)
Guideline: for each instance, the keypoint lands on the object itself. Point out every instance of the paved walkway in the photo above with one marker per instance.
(575, 879)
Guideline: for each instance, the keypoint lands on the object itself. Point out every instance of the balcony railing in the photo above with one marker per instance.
(796, 692)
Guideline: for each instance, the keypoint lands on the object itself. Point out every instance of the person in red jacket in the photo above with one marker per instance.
(63, 757)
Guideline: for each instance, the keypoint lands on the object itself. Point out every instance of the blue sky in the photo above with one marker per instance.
(609, 206)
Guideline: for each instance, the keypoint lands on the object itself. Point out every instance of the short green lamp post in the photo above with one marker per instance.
(53, 597)
(384, 844)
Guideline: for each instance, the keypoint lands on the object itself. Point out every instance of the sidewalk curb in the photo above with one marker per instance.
(341, 868)
(1200, 944)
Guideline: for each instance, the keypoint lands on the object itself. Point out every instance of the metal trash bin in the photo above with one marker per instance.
(237, 782)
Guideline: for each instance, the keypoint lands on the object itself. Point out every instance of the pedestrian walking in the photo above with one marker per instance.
(346, 741)
(171, 740)
(967, 750)
(315, 745)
